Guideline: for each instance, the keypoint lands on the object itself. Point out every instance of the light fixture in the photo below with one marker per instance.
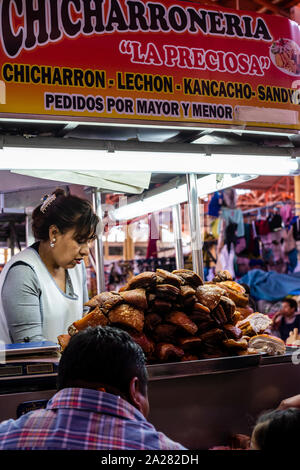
(172, 126)
(31, 158)
(177, 195)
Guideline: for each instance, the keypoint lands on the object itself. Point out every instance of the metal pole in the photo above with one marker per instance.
(195, 224)
(28, 227)
(177, 230)
(99, 244)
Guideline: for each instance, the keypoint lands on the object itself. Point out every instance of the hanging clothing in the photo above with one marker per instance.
(247, 229)
(262, 227)
(215, 204)
(286, 213)
(295, 222)
(230, 235)
(215, 228)
(226, 260)
(293, 260)
(236, 216)
(289, 240)
(230, 198)
(275, 222)
(240, 245)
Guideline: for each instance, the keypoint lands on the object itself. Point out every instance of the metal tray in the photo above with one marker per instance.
(279, 358)
(202, 366)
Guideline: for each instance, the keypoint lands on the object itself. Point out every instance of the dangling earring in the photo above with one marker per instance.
(52, 244)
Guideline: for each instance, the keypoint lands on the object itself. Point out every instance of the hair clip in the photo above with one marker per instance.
(47, 202)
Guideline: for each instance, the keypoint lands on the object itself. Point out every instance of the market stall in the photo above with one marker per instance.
(66, 121)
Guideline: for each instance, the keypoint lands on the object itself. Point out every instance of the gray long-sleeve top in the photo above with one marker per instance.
(21, 298)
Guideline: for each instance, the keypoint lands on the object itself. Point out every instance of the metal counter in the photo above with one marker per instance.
(198, 403)
(203, 403)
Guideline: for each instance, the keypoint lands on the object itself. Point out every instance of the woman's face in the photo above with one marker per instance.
(68, 250)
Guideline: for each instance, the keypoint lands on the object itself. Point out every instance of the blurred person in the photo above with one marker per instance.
(101, 402)
(286, 319)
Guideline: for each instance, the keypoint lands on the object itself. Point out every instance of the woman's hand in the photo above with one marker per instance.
(292, 402)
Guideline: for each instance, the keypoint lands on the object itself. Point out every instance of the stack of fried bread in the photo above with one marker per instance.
(175, 316)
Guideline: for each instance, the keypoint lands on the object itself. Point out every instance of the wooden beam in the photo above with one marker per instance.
(290, 4)
(206, 2)
(272, 7)
(274, 2)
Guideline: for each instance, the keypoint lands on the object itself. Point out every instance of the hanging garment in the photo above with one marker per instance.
(286, 213)
(230, 198)
(293, 260)
(295, 222)
(215, 204)
(215, 228)
(289, 240)
(230, 235)
(262, 227)
(236, 216)
(254, 232)
(226, 260)
(247, 229)
(240, 245)
(275, 222)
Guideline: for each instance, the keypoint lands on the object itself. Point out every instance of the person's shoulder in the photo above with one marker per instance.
(20, 273)
(5, 425)
(168, 444)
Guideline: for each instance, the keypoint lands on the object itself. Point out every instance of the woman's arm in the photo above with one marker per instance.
(21, 303)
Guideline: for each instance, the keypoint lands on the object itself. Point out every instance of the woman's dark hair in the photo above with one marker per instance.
(292, 303)
(102, 355)
(278, 430)
(66, 212)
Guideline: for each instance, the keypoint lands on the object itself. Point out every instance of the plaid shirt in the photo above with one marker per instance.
(84, 419)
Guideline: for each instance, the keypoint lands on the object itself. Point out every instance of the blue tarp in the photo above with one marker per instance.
(271, 285)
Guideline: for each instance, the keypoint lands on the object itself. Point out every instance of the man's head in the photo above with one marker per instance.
(109, 359)
(289, 307)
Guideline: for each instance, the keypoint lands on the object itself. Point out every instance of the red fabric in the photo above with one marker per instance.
(153, 237)
(262, 227)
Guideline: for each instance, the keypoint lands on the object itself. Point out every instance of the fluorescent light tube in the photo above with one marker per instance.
(150, 204)
(255, 164)
(77, 122)
(15, 158)
(206, 185)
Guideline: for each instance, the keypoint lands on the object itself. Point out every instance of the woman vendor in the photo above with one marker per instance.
(43, 288)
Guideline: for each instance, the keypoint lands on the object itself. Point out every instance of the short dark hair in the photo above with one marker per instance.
(246, 287)
(292, 303)
(278, 429)
(66, 212)
(102, 355)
